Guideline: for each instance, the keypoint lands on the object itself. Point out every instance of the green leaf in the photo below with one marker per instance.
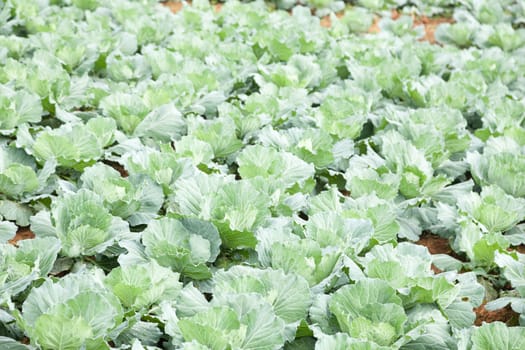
(84, 225)
(306, 258)
(7, 231)
(15, 211)
(74, 145)
(342, 341)
(288, 294)
(330, 229)
(18, 107)
(18, 179)
(61, 333)
(460, 314)
(139, 286)
(369, 309)
(224, 319)
(343, 114)
(136, 199)
(164, 123)
(279, 167)
(11, 344)
(219, 133)
(184, 245)
(128, 110)
(73, 312)
(263, 330)
(501, 163)
(493, 208)
(20, 266)
(238, 209)
(497, 335)
(513, 270)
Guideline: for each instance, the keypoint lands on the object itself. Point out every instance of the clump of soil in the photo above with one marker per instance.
(21, 234)
(122, 171)
(520, 248)
(506, 315)
(173, 6)
(431, 25)
(327, 22)
(374, 28)
(435, 244)
(176, 6)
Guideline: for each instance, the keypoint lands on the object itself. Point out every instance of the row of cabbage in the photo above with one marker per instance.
(231, 181)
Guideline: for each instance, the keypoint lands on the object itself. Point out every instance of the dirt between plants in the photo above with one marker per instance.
(122, 171)
(520, 248)
(440, 245)
(436, 245)
(177, 6)
(430, 24)
(506, 315)
(21, 234)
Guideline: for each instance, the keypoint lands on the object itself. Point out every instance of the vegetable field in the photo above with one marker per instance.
(298, 175)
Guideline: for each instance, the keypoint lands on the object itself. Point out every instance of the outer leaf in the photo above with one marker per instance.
(7, 231)
(306, 258)
(61, 333)
(19, 267)
(76, 310)
(139, 286)
(287, 293)
(497, 335)
(83, 224)
(11, 344)
(136, 198)
(274, 166)
(211, 328)
(185, 246)
(370, 309)
(238, 209)
(164, 123)
(219, 133)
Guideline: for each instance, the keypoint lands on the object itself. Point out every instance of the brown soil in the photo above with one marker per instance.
(520, 248)
(435, 244)
(173, 6)
(374, 28)
(440, 245)
(430, 24)
(506, 315)
(123, 172)
(176, 6)
(345, 193)
(327, 22)
(21, 234)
